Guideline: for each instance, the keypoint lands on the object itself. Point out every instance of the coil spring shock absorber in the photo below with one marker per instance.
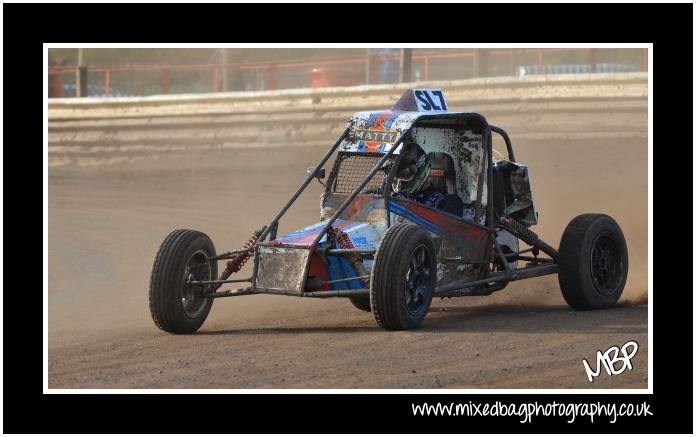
(343, 242)
(528, 236)
(235, 264)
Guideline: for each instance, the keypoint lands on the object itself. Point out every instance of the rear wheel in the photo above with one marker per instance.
(175, 305)
(593, 264)
(403, 277)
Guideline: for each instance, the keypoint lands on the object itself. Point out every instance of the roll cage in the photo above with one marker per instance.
(485, 128)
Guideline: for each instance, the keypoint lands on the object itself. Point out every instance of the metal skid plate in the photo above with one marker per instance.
(282, 268)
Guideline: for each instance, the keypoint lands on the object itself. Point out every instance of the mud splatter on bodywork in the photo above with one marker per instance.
(376, 131)
(465, 148)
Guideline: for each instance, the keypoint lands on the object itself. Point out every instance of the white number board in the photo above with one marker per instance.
(430, 100)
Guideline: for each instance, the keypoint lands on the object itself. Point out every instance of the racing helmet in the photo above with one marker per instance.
(414, 169)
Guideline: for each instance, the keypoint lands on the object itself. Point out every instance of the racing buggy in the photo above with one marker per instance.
(389, 253)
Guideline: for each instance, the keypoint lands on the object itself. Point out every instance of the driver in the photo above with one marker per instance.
(411, 181)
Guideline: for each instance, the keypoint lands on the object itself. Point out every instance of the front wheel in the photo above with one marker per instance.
(177, 306)
(403, 277)
(593, 264)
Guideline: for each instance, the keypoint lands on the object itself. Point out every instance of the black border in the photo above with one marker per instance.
(26, 27)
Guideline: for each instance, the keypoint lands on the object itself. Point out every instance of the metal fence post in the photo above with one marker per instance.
(480, 62)
(405, 65)
(271, 79)
(107, 82)
(368, 66)
(165, 81)
(426, 68)
(593, 60)
(645, 60)
(225, 82)
(81, 81)
(57, 84)
(216, 80)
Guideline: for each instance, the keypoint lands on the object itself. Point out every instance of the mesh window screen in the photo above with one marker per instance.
(350, 169)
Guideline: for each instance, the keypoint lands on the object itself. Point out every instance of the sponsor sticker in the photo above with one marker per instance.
(378, 136)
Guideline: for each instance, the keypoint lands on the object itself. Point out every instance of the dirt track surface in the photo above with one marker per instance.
(105, 225)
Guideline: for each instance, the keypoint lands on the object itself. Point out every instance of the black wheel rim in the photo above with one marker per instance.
(197, 269)
(606, 264)
(418, 280)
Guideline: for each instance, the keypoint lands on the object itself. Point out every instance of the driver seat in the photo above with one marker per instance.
(442, 173)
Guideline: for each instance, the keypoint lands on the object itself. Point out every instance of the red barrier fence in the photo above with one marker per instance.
(165, 79)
